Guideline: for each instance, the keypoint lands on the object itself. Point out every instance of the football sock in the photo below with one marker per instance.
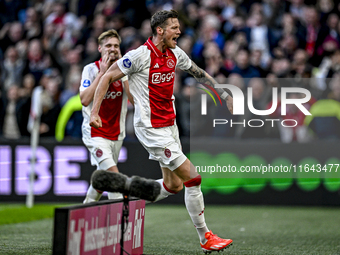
(92, 195)
(195, 205)
(165, 192)
(115, 195)
(201, 233)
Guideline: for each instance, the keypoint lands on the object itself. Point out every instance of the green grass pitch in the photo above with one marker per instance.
(169, 230)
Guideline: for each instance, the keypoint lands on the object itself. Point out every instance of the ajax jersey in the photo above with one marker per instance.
(112, 110)
(151, 79)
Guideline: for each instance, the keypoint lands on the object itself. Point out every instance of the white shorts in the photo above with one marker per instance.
(163, 145)
(104, 152)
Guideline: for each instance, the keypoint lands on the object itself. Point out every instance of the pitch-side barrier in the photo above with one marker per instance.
(96, 228)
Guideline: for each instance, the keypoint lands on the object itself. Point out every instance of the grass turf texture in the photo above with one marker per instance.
(168, 230)
(14, 213)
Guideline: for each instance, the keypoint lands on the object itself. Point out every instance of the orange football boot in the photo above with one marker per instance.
(214, 243)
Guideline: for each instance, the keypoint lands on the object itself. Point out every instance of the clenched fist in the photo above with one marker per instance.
(95, 120)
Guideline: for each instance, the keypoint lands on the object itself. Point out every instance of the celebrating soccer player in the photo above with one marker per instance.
(105, 143)
(151, 71)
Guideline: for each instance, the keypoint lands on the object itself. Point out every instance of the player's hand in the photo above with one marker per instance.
(95, 121)
(229, 103)
(105, 63)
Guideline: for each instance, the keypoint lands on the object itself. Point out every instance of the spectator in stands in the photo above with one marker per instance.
(10, 34)
(72, 85)
(288, 44)
(240, 38)
(66, 22)
(230, 50)
(11, 68)
(229, 9)
(50, 106)
(325, 7)
(32, 26)
(243, 66)
(14, 114)
(107, 7)
(93, 30)
(49, 36)
(300, 67)
(213, 60)
(297, 8)
(260, 36)
(314, 36)
(331, 38)
(256, 61)
(329, 66)
(68, 59)
(90, 50)
(28, 83)
(209, 31)
(280, 67)
(185, 43)
(37, 59)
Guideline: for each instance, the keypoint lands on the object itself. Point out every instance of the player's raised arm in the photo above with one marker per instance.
(111, 75)
(203, 77)
(86, 96)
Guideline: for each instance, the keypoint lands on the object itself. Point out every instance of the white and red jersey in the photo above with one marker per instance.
(112, 110)
(151, 79)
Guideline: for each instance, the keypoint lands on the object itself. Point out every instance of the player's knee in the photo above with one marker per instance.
(109, 165)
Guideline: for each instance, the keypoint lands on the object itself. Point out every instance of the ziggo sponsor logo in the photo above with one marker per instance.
(113, 94)
(159, 77)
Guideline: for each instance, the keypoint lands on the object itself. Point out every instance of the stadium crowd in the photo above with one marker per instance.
(251, 44)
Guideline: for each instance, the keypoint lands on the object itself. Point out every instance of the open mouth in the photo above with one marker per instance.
(175, 40)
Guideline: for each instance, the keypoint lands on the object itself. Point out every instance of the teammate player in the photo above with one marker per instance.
(151, 71)
(104, 144)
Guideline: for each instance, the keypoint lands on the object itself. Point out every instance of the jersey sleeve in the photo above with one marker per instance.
(87, 77)
(132, 61)
(183, 61)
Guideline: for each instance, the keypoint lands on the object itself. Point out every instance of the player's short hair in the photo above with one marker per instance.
(108, 34)
(159, 19)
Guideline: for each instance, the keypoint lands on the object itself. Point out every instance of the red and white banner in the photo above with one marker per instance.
(97, 230)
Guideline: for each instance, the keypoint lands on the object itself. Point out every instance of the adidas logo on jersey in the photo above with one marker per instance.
(156, 66)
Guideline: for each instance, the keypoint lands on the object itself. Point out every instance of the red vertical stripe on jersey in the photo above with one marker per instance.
(161, 86)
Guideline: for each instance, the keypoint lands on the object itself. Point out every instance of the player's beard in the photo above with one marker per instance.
(169, 43)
